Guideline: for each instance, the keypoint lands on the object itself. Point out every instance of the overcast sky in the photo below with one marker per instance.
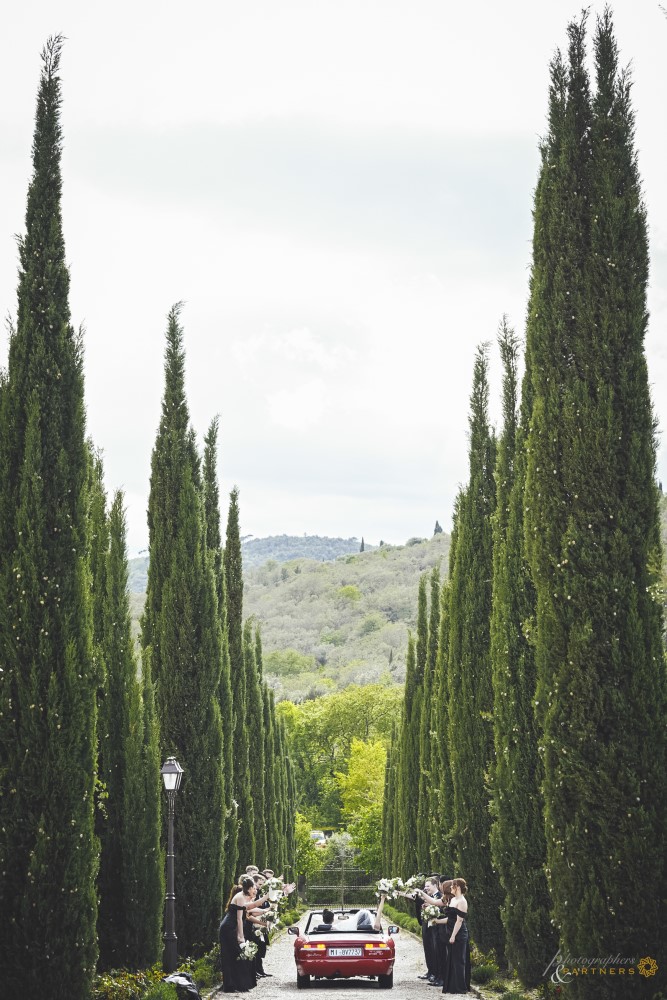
(341, 194)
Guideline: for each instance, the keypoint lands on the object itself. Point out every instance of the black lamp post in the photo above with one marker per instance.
(171, 775)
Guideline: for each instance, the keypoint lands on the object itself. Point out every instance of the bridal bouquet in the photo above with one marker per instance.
(430, 913)
(273, 888)
(415, 882)
(390, 887)
(248, 951)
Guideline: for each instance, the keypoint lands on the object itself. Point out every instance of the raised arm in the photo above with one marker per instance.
(378, 916)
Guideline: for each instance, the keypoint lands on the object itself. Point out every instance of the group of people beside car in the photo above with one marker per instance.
(445, 938)
(246, 910)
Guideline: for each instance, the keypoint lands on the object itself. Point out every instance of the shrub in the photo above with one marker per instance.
(123, 985)
(350, 592)
(484, 973)
(402, 919)
(161, 991)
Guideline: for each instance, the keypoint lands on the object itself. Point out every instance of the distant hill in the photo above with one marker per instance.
(283, 548)
(341, 622)
(326, 624)
(256, 551)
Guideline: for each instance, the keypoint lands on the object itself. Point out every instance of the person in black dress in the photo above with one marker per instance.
(238, 975)
(444, 926)
(458, 978)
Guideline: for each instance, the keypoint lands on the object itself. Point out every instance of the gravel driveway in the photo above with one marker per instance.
(282, 983)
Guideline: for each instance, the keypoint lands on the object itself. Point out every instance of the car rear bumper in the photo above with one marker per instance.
(343, 968)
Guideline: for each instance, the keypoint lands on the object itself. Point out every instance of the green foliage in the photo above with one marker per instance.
(470, 701)
(242, 779)
(591, 528)
(320, 734)
(130, 881)
(484, 973)
(517, 835)
(365, 832)
(308, 857)
(288, 662)
(49, 679)
(362, 785)
(124, 985)
(349, 593)
(181, 632)
(402, 919)
(211, 495)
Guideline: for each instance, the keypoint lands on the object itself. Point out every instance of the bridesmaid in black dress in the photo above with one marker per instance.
(444, 926)
(458, 979)
(237, 974)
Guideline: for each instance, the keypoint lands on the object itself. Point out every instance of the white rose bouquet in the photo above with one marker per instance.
(248, 951)
(415, 882)
(390, 887)
(431, 913)
(273, 888)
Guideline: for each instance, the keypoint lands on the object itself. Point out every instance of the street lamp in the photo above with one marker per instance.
(172, 773)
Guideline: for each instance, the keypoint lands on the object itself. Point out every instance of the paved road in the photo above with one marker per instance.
(282, 984)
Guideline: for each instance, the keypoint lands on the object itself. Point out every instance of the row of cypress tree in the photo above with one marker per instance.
(537, 680)
(84, 727)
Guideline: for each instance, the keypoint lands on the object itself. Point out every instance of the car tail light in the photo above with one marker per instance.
(375, 945)
(313, 947)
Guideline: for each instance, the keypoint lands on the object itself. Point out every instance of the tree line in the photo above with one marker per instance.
(84, 723)
(530, 756)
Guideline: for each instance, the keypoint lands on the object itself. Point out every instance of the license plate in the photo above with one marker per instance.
(345, 952)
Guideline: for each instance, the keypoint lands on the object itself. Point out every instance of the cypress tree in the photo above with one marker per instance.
(270, 795)
(112, 730)
(517, 834)
(48, 683)
(469, 672)
(443, 847)
(279, 848)
(214, 545)
(406, 857)
(254, 720)
(182, 623)
(389, 805)
(131, 869)
(591, 523)
(233, 568)
(262, 803)
(143, 860)
(426, 783)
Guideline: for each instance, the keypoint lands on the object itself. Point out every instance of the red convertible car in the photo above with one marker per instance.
(342, 950)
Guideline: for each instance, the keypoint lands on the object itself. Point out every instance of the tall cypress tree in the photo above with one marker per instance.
(389, 805)
(592, 526)
(517, 835)
(233, 568)
(270, 795)
(408, 768)
(131, 869)
(143, 860)
(262, 803)
(426, 784)
(469, 674)
(48, 684)
(181, 627)
(214, 545)
(254, 720)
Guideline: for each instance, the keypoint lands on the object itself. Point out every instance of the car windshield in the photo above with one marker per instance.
(340, 925)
